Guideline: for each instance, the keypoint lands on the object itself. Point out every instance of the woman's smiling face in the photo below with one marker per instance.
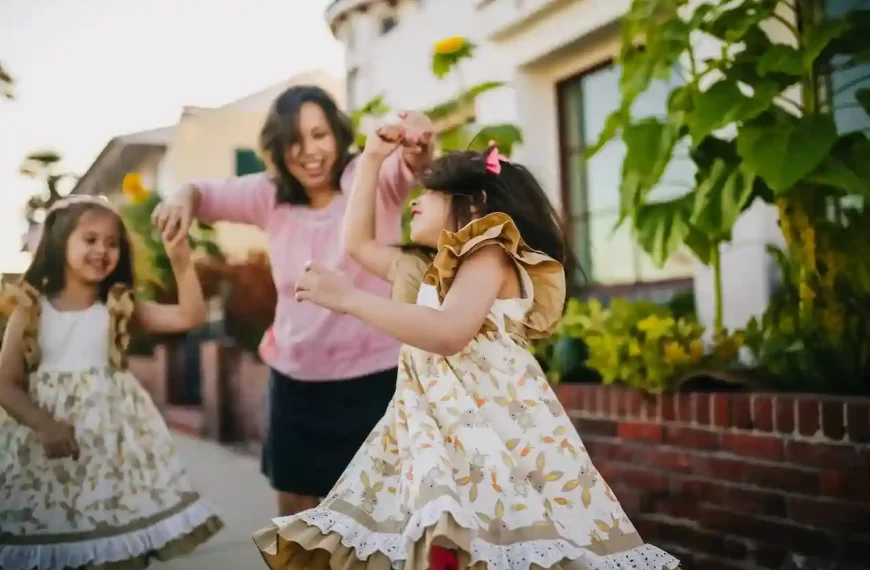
(311, 160)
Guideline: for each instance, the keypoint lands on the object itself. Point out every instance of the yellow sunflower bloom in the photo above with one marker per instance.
(133, 188)
(450, 45)
(675, 353)
(696, 349)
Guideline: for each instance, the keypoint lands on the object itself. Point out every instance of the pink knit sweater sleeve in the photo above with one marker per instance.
(243, 199)
(394, 183)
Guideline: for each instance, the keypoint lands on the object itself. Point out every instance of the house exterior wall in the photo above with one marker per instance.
(534, 45)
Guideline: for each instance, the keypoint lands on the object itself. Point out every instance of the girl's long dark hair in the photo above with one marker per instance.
(475, 191)
(281, 131)
(47, 271)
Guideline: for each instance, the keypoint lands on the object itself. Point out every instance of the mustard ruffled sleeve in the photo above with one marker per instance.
(27, 297)
(407, 275)
(546, 274)
(121, 305)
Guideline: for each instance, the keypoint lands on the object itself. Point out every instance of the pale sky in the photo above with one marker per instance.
(90, 70)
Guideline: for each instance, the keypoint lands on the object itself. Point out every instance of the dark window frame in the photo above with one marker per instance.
(579, 283)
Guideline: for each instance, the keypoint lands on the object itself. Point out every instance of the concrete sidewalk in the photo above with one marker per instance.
(242, 497)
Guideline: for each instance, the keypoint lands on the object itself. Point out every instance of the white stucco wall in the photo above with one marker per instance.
(535, 44)
(398, 63)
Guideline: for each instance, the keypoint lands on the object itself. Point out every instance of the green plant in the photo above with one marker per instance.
(376, 107)
(447, 58)
(820, 343)
(641, 344)
(784, 151)
(152, 267)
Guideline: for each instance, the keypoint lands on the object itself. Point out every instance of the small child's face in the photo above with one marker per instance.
(430, 215)
(93, 248)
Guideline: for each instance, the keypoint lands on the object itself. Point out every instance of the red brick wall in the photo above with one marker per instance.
(735, 481)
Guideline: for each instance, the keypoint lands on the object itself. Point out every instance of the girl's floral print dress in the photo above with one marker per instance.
(474, 453)
(126, 499)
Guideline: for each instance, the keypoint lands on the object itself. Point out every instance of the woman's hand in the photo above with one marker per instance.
(58, 439)
(329, 289)
(173, 218)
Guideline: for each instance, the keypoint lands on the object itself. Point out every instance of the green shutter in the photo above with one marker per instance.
(247, 162)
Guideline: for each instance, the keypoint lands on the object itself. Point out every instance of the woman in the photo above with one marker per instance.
(332, 376)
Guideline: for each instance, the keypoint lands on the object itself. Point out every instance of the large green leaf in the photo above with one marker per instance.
(847, 167)
(454, 139)
(723, 103)
(665, 42)
(817, 37)
(784, 152)
(733, 24)
(375, 107)
(661, 228)
(505, 136)
(853, 42)
(762, 62)
(649, 147)
(720, 199)
(447, 108)
(781, 58)
(443, 63)
(862, 96)
(612, 125)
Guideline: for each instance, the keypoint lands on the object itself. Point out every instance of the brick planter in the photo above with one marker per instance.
(734, 480)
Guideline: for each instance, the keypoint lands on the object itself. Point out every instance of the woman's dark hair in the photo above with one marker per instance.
(47, 271)
(281, 131)
(514, 191)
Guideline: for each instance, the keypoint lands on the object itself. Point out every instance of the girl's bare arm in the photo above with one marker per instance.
(448, 330)
(188, 313)
(359, 235)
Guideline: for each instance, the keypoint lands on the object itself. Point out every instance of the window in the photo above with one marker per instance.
(247, 162)
(387, 24)
(352, 86)
(845, 83)
(609, 257)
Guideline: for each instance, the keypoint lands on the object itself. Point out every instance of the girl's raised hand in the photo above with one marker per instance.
(173, 218)
(177, 249)
(329, 289)
(417, 140)
(384, 141)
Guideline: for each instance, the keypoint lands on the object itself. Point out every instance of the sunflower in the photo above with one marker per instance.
(451, 45)
(133, 188)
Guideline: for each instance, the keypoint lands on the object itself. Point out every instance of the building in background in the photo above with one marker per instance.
(216, 142)
(558, 59)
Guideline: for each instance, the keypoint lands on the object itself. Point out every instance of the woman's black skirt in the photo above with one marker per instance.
(315, 428)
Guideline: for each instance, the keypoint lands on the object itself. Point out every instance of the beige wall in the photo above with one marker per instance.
(204, 146)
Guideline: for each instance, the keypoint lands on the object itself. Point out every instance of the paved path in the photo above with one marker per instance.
(242, 497)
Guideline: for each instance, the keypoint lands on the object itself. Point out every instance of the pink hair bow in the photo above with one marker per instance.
(494, 159)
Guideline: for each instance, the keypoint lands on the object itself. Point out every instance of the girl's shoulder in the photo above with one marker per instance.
(407, 273)
(545, 275)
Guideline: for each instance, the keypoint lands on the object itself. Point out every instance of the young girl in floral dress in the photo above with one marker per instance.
(475, 463)
(89, 478)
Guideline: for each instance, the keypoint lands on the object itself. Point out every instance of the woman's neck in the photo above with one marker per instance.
(76, 295)
(321, 198)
